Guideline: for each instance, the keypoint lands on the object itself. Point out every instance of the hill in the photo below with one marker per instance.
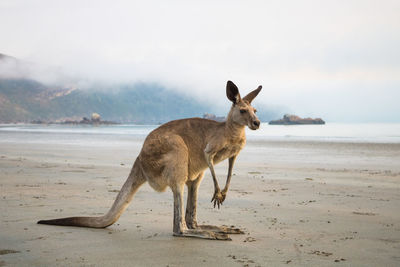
(25, 99)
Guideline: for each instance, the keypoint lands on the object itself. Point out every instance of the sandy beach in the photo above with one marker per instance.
(300, 203)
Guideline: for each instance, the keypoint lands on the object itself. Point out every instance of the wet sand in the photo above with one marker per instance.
(300, 204)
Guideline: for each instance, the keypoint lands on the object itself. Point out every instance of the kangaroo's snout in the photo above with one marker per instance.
(255, 124)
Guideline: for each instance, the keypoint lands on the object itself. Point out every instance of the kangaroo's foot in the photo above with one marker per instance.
(203, 234)
(224, 229)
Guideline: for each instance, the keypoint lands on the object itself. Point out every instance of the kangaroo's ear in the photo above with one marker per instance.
(232, 92)
(250, 96)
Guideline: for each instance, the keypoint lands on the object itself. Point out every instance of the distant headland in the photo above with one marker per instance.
(295, 120)
(94, 120)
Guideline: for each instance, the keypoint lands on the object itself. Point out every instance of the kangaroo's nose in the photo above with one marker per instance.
(256, 123)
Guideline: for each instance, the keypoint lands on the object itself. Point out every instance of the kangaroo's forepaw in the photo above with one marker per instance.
(218, 198)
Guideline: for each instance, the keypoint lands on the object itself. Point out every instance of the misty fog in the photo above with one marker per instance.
(335, 60)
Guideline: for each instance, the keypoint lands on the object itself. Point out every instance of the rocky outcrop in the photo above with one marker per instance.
(94, 120)
(294, 120)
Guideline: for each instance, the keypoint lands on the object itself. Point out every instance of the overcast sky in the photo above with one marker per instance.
(339, 60)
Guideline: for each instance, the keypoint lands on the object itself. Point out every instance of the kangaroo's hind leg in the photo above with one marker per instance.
(191, 205)
(175, 174)
(180, 228)
(191, 211)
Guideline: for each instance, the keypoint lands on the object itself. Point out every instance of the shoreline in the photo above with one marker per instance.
(384, 133)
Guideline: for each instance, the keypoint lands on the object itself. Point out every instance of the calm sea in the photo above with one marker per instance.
(330, 132)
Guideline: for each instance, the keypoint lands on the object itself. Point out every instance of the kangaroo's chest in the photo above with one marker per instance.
(229, 150)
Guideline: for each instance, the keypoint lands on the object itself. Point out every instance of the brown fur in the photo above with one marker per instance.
(178, 153)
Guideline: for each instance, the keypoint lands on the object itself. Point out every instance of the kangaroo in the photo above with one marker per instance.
(178, 153)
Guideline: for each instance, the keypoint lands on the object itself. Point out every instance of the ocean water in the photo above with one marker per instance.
(112, 134)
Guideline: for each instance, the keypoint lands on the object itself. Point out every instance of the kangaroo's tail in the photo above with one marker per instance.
(135, 180)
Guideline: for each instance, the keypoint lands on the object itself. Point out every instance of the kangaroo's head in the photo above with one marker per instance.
(242, 112)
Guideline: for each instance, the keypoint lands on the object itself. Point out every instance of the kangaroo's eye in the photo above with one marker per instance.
(242, 111)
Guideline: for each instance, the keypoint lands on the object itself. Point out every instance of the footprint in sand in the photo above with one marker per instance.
(321, 253)
(364, 213)
(249, 239)
(8, 251)
(244, 260)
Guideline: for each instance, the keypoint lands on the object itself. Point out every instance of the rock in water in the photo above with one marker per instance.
(293, 120)
(96, 117)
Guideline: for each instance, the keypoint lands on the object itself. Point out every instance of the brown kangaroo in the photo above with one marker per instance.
(178, 153)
